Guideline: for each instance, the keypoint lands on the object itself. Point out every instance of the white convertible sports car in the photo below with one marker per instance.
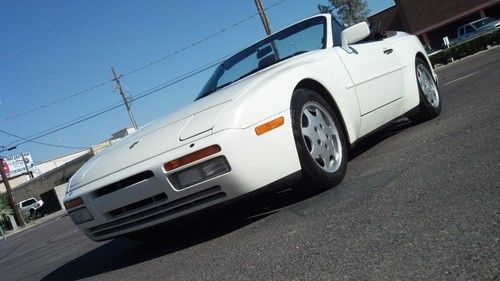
(292, 103)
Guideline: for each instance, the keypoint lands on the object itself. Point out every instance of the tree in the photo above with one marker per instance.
(5, 209)
(349, 11)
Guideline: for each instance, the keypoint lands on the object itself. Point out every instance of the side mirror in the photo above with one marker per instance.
(354, 34)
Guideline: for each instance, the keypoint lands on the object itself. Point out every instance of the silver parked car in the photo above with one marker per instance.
(476, 28)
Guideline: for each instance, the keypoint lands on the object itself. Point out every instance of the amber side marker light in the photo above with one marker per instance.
(266, 127)
(192, 157)
(73, 203)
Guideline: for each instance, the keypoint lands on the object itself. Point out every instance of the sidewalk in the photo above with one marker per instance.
(36, 222)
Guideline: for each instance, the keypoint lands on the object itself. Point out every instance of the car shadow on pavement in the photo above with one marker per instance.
(122, 252)
(371, 140)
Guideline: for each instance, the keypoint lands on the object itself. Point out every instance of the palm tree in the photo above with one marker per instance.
(5, 209)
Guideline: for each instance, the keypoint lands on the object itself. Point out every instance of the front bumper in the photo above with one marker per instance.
(142, 195)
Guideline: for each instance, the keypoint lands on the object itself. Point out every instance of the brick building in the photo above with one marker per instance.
(432, 20)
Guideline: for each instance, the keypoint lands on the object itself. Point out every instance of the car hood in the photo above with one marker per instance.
(154, 139)
(170, 132)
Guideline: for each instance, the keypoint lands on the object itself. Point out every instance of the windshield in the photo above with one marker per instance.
(482, 22)
(303, 37)
(28, 202)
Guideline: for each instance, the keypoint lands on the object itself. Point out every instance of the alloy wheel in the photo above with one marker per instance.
(427, 84)
(321, 136)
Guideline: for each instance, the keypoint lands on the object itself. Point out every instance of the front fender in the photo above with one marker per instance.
(273, 92)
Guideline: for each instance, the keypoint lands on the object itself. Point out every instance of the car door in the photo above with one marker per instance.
(469, 31)
(461, 33)
(377, 77)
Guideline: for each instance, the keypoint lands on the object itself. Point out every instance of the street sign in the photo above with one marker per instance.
(446, 41)
(18, 164)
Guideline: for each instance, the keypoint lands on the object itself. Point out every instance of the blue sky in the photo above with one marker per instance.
(54, 49)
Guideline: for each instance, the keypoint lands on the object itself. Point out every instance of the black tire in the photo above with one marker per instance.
(318, 174)
(428, 107)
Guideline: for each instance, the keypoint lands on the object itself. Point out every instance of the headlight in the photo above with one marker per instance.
(81, 215)
(200, 172)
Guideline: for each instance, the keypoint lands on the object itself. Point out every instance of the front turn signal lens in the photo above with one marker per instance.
(192, 157)
(73, 203)
(271, 125)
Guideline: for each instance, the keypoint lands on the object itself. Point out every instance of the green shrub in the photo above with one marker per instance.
(466, 48)
(5, 210)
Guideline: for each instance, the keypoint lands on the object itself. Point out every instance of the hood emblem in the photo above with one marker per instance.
(132, 145)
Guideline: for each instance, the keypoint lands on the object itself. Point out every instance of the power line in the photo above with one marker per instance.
(45, 71)
(54, 102)
(156, 61)
(178, 79)
(115, 106)
(263, 17)
(194, 44)
(37, 142)
(54, 128)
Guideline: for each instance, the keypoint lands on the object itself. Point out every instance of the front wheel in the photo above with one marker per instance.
(430, 100)
(319, 139)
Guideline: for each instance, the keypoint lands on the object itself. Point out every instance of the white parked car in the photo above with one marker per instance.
(29, 206)
(290, 104)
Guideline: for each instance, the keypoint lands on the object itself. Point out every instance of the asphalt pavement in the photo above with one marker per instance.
(419, 201)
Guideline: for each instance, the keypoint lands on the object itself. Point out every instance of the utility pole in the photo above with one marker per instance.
(263, 16)
(267, 26)
(125, 100)
(17, 214)
(30, 174)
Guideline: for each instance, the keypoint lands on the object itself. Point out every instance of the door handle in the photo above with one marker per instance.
(388, 51)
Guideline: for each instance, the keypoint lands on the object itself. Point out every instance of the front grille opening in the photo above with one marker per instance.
(123, 183)
(139, 204)
(166, 209)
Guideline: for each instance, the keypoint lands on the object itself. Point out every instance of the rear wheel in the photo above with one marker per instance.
(430, 100)
(320, 140)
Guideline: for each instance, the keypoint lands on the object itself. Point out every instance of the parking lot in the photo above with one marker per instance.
(418, 202)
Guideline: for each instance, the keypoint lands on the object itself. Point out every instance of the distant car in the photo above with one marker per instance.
(30, 206)
(289, 105)
(476, 28)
